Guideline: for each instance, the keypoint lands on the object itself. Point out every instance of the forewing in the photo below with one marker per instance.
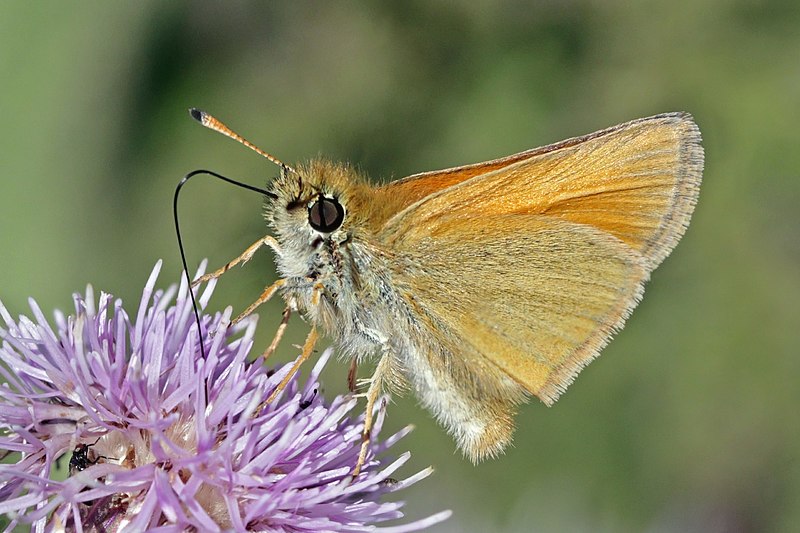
(537, 296)
(638, 181)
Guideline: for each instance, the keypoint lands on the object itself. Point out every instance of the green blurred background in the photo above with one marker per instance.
(689, 421)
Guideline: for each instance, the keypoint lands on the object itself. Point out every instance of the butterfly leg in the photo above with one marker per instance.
(268, 293)
(308, 348)
(375, 387)
(287, 312)
(268, 240)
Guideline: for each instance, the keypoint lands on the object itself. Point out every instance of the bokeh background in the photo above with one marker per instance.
(688, 422)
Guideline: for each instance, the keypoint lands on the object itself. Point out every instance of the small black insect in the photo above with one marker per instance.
(80, 458)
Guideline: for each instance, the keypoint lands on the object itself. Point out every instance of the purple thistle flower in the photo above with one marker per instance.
(161, 438)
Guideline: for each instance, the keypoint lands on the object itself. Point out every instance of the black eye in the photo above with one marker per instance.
(326, 214)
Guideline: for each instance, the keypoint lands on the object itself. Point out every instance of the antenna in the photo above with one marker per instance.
(213, 124)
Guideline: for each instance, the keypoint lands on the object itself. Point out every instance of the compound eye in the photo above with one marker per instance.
(326, 214)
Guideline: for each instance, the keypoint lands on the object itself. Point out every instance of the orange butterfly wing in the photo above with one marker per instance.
(531, 262)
